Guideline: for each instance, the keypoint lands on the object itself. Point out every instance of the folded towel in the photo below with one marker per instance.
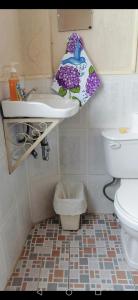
(76, 77)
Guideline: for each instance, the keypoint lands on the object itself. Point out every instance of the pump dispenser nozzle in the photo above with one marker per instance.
(12, 66)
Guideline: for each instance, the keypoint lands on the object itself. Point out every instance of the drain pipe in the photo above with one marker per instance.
(104, 192)
(45, 149)
(104, 189)
(34, 152)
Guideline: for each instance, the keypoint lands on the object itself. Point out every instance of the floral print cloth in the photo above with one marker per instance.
(76, 77)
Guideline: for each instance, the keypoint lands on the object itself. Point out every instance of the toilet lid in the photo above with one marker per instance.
(127, 197)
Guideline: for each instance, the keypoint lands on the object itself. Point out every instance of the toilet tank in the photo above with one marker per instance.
(121, 153)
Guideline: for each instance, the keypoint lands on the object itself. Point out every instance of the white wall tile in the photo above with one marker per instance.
(96, 160)
(73, 151)
(2, 140)
(13, 188)
(18, 188)
(43, 174)
(105, 109)
(15, 221)
(97, 202)
(22, 203)
(126, 92)
(3, 267)
(74, 178)
(7, 194)
(10, 238)
(134, 92)
(79, 121)
(42, 192)
(24, 221)
(111, 107)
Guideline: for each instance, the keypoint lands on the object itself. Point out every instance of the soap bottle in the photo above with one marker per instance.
(13, 81)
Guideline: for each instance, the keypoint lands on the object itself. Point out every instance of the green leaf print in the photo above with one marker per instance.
(75, 90)
(73, 97)
(62, 92)
(91, 70)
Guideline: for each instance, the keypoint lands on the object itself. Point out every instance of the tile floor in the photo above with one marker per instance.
(90, 259)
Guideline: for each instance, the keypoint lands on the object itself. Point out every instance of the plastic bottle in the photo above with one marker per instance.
(13, 81)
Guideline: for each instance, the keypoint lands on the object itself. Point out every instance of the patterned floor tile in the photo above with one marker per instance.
(98, 268)
(25, 276)
(90, 259)
(55, 270)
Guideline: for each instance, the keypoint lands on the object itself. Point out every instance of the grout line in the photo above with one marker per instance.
(69, 270)
(39, 275)
(58, 153)
(132, 277)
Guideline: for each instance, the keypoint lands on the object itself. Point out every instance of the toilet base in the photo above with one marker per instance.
(130, 246)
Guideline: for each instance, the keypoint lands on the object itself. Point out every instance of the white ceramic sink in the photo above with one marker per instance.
(41, 105)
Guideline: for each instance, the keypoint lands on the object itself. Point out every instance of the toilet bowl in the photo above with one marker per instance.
(126, 208)
(121, 157)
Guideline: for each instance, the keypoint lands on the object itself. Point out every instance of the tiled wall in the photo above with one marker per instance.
(25, 195)
(15, 221)
(81, 155)
(43, 175)
(80, 142)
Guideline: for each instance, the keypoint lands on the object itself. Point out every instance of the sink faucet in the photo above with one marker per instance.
(26, 95)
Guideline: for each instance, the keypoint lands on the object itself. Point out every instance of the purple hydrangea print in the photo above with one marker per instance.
(68, 77)
(93, 82)
(73, 39)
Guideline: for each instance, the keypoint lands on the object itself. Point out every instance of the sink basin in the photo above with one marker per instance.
(41, 105)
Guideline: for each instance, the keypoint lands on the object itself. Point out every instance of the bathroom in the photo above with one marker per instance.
(36, 253)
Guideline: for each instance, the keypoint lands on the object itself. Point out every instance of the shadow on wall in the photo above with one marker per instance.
(97, 202)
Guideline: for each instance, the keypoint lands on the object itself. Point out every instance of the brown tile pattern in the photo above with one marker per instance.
(88, 259)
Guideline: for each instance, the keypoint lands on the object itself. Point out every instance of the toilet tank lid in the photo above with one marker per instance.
(115, 134)
(127, 197)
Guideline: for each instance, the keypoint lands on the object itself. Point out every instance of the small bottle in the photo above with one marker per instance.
(13, 81)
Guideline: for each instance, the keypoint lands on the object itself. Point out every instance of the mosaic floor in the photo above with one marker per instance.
(90, 259)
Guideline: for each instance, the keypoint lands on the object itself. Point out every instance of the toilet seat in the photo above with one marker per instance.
(126, 202)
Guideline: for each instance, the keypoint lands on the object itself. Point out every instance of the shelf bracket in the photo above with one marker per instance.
(20, 144)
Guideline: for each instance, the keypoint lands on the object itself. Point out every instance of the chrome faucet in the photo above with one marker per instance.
(26, 95)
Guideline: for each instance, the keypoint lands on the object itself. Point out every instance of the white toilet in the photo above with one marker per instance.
(121, 155)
